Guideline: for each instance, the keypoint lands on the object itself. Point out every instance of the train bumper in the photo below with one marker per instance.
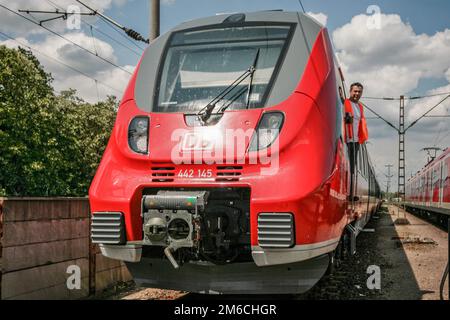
(237, 278)
(128, 252)
(298, 253)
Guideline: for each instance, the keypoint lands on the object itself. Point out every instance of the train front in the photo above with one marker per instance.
(219, 168)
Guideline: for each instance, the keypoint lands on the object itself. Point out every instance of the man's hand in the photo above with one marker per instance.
(348, 118)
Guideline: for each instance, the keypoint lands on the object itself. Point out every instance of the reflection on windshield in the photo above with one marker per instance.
(200, 64)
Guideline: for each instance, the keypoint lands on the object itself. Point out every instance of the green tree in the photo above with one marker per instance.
(83, 133)
(49, 145)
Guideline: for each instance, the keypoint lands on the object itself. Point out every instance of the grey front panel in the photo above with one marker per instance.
(305, 32)
(236, 278)
(148, 71)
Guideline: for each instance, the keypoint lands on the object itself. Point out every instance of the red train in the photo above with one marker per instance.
(428, 191)
(226, 170)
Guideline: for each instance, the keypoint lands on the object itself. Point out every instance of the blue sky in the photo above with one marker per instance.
(424, 16)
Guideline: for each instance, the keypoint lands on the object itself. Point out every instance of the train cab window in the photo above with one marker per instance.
(360, 164)
(362, 161)
(199, 64)
(365, 162)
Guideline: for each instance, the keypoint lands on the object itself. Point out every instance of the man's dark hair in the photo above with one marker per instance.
(356, 84)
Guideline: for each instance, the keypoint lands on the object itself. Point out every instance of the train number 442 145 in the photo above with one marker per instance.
(195, 173)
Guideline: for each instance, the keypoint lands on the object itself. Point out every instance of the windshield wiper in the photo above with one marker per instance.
(205, 113)
(251, 79)
(248, 90)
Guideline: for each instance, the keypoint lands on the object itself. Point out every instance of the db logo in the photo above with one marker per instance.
(193, 142)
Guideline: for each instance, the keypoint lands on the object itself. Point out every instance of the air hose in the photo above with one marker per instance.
(445, 275)
(441, 288)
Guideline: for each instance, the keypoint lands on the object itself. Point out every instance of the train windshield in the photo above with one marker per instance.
(200, 64)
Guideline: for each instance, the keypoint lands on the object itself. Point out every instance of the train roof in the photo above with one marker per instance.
(431, 163)
(258, 16)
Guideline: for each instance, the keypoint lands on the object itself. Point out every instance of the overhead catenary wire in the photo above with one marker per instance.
(431, 109)
(97, 29)
(130, 32)
(412, 123)
(409, 98)
(121, 34)
(59, 61)
(431, 95)
(301, 5)
(67, 39)
(444, 136)
(61, 15)
(93, 41)
(440, 128)
(378, 172)
(378, 116)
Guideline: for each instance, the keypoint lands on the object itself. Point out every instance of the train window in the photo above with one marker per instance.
(200, 64)
(366, 162)
(435, 177)
(363, 153)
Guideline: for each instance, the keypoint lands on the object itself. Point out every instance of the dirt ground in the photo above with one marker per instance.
(417, 253)
(411, 258)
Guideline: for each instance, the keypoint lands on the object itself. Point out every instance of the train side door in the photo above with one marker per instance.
(435, 182)
(362, 185)
(446, 184)
(441, 185)
(424, 187)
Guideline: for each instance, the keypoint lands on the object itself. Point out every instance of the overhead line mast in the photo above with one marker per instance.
(401, 130)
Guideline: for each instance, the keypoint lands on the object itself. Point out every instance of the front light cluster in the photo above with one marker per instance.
(268, 130)
(138, 134)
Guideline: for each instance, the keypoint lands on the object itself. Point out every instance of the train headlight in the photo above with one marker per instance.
(268, 130)
(138, 134)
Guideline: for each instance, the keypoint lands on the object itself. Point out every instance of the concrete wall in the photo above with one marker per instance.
(42, 237)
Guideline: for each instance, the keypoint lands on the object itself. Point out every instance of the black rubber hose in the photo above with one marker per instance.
(441, 287)
(445, 275)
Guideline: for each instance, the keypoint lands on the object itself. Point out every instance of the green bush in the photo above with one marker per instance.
(50, 145)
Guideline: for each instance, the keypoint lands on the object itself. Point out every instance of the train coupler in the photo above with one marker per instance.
(172, 220)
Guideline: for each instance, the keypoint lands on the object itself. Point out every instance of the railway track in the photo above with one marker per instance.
(437, 219)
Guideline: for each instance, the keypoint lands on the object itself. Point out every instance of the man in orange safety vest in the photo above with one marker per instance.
(355, 126)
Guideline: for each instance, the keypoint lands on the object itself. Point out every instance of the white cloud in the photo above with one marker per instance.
(447, 75)
(64, 51)
(91, 91)
(391, 61)
(320, 17)
(65, 78)
(168, 2)
(393, 53)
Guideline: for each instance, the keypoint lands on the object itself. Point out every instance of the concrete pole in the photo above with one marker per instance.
(154, 19)
(388, 176)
